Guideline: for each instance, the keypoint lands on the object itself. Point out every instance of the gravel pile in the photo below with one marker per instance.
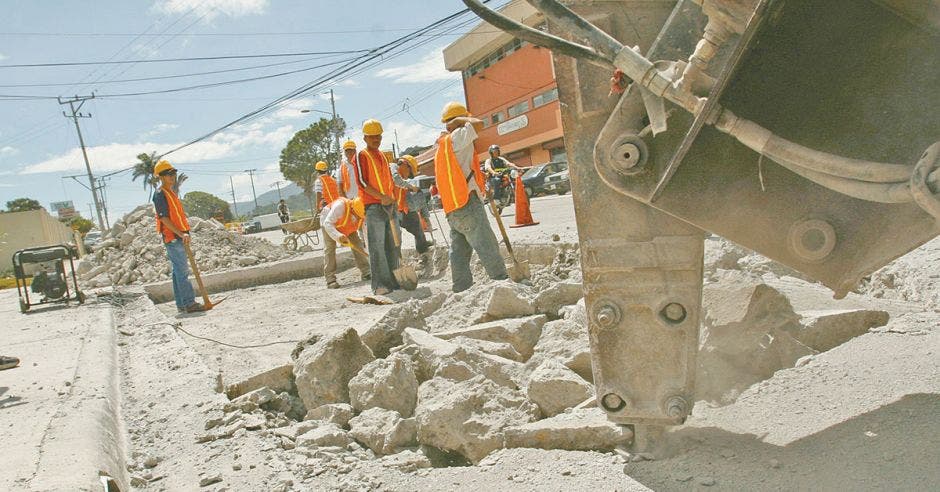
(133, 253)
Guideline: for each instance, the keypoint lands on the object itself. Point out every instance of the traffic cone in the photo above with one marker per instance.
(523, 214)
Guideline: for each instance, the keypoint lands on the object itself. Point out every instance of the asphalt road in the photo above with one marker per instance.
(554, 214)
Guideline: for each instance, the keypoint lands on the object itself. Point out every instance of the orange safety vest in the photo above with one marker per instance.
(177, 217)
(330, 191)
(344, 172)
(401, 198)
(451, 182)
(350, 223)
(379, 176)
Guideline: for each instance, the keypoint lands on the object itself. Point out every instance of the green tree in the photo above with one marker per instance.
(312, 144)
(23, 205)
(80, 224)
(144, 169)
(205, 206)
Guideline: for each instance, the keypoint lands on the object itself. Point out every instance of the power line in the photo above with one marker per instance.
(197, 58)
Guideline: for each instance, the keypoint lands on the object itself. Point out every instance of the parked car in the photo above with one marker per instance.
(558, 183)
(92, 238)
(534, 178)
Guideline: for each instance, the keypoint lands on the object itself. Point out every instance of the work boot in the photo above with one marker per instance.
(332, 285)
(195, 308)
(8, 362)
(366, 276)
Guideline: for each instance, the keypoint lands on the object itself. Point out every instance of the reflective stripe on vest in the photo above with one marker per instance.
(349, 223)
(344, 172)
(451, 182)
(375, 174)
(330, 190)
(401, 197)
(177, 217)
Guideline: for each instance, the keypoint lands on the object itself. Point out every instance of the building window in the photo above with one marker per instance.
(491, 59)
(496, 118)
(558, 154)
(518, 108)
(545, 97)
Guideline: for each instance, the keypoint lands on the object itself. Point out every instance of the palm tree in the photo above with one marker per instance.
(144, 169)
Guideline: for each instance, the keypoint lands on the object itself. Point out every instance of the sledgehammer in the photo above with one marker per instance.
(202, 288)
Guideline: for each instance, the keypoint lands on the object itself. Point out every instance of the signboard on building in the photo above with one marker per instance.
(512, 125)
(64, 210)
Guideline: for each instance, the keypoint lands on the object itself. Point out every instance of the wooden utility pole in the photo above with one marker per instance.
(251, 176)
(75, 115)
(234, 203)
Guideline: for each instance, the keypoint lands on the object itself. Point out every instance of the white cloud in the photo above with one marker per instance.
(212, 8)
(349, 83)
(160, 129)
(116, 156)
(5, 151)
(3, 57)
(428, 69)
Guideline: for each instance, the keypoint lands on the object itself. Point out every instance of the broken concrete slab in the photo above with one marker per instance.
(521, 333)
(550, 300)
(323, 370)
(435, 357)
(579, 430)
(566, 342)
(385, 334)
(386, 383)
(506, 302)
(278, 379)
(555, 388)
(383, 431)
(500, 349)
(325, 435)
(250, 401)
(334, 413)
(468, 417)
(826, 329)
(745, 336)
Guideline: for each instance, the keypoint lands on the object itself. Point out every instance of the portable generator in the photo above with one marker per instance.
(50, 280)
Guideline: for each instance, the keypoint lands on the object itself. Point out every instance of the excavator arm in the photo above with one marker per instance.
(804, 130)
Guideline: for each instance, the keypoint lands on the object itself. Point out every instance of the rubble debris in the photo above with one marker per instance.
(555, 388)
(406, 461)
(383, 431)
(327, 434)
(469, 416)
(435, 357)
(579, 430)
(485, 301)
(567, 342)
(322, 371)
(386, 332)
(278, 379)
(558, 295)
(745, 337)
(500, 349)
(521, 333)
(386, 383)
(133, 253)
(823, 330)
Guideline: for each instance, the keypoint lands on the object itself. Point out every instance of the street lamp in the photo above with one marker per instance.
(334, 122)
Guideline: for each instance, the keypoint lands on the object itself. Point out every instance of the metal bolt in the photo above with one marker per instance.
(607, 315)
(674, 312)
(628, 155)
(613, 402)
(677, 407)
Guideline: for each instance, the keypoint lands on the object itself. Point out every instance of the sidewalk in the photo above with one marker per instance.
(59, 417)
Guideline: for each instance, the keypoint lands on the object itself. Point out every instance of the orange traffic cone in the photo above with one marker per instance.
(523, 214)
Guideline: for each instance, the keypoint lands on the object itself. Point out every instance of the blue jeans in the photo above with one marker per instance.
(383, 254)
(470, 231)
(182, 289)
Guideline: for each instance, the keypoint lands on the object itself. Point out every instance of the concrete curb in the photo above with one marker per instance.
(85, 438)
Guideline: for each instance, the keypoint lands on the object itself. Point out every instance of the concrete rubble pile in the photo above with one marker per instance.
(449, 379)
(133, 253)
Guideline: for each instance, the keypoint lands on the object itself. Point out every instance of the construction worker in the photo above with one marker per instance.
(340, 222)
(410, 200)
(325, 187)
(346, 172)
(283, 213)
(461, 186)
(377, 191)
(173, 227)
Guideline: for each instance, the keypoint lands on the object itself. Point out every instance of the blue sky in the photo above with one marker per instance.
(38, 146)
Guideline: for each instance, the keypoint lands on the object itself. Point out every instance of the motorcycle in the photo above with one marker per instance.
(502, 189)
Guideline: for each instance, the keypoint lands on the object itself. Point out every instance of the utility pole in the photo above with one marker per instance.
(251, 176)
(103, 196)
(397, 144)
(278, 185)
(75, 116)
(91, 214)
(335, 128)
(234, 203)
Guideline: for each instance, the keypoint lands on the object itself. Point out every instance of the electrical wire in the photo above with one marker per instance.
(197, 58)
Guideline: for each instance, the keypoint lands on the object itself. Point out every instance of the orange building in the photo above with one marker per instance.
(510, 85)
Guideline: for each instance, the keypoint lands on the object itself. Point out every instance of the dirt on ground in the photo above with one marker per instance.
(491, 388)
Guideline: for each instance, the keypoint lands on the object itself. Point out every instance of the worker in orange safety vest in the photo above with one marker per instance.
(460, 186)
(341, 221)
(173, 227)
(326, 189)
(346, 173)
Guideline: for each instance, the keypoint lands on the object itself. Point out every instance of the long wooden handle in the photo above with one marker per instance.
(192, 263)
(393, 216)
(502, 229)
(357, 249)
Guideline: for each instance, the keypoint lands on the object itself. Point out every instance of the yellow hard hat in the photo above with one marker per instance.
(452, 110)
(162, 166)
(371, 127)
(358, 207)
(321, 166)
(349, 144)
(412, 163)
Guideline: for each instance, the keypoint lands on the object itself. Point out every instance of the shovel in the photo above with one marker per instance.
(202, 288)
(405, 275)
(520, 269)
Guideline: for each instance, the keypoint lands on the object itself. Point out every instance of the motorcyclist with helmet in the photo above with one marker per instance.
(497, 168)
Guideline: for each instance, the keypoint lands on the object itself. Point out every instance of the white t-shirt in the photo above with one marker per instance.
(330, 216)
(353, 186)
(463, 138)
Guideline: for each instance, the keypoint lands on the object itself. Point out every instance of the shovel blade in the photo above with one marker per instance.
(406, 277)
(519, 271)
